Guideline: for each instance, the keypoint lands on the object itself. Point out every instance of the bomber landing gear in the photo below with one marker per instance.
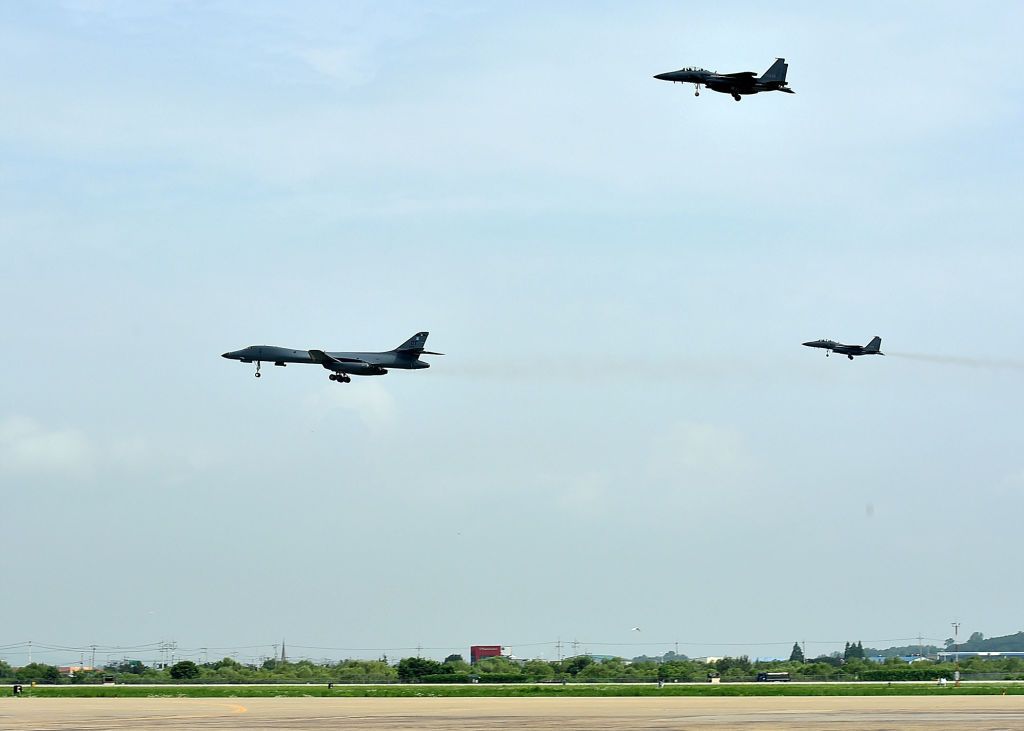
(339, 377)
(257, 369)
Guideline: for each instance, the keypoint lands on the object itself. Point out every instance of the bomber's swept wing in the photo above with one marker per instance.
(327, 361)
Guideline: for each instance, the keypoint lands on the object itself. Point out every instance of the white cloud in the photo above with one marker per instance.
(27, 446)
(700, 454)
(585, 495)
(369, 400)
(346, 65)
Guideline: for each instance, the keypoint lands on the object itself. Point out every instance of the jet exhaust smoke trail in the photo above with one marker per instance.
(959, 361)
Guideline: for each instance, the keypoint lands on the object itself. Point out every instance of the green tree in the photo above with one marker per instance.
(184, 670)
(741, 663)
(797, 655)
(135, 667)
(538, 670)
(573, 665)
(37, 672)
(228, 663)
(6, 671)
(456, 664)
(414, 668)
(496, 665)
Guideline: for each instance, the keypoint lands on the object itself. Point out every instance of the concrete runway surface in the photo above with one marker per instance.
(384, 714)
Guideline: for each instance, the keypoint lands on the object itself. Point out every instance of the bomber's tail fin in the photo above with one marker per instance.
(874, 346)
(414, 345)
(416, 342)
(777, 71)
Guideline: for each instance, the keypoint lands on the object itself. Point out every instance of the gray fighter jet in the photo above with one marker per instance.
(831, 346)
(341, 365)
(738, 84)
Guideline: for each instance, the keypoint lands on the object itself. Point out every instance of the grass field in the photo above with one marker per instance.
(522, 690)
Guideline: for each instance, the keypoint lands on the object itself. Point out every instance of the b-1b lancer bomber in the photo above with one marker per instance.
(831, 346)
(341, 365)
(737, 84)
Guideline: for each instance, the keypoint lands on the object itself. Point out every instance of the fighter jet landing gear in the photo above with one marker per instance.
(696, 91)
(828, 353)
(340, 377)
(850, 357)
(257, 369)
(737, 97)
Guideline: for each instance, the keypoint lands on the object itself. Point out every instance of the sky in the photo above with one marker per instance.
(624, 431)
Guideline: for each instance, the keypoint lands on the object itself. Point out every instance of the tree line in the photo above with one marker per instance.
(454, 669)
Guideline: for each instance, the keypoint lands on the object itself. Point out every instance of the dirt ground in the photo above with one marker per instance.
(387, 714)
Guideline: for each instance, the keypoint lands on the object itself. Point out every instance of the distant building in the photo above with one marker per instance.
(951, 656)
(72, 669)
(880, 659)
(479, 652)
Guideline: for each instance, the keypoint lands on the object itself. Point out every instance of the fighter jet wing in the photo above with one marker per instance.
(742, 74)
(325, 360)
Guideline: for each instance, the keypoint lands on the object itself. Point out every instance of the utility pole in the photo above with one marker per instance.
(558, 649)
(956, 654)
(93, 661)
(677, 648)
(30, 652)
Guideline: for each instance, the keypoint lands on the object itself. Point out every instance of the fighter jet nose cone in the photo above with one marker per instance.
(809, 342)
(661, 77)
(225, 355)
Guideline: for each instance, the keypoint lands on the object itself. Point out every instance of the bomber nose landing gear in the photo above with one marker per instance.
(339, 377)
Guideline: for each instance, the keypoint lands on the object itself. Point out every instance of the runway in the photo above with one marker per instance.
(868, 713)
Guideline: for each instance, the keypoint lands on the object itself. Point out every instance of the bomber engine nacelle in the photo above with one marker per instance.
(361, 369)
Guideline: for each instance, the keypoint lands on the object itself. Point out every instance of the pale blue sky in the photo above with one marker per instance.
(625, 431)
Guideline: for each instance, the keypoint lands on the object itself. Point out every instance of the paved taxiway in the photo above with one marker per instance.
(990, 713)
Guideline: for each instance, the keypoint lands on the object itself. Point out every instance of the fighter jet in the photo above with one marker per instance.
(341, 365)
(738, 84)
(831, 346)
